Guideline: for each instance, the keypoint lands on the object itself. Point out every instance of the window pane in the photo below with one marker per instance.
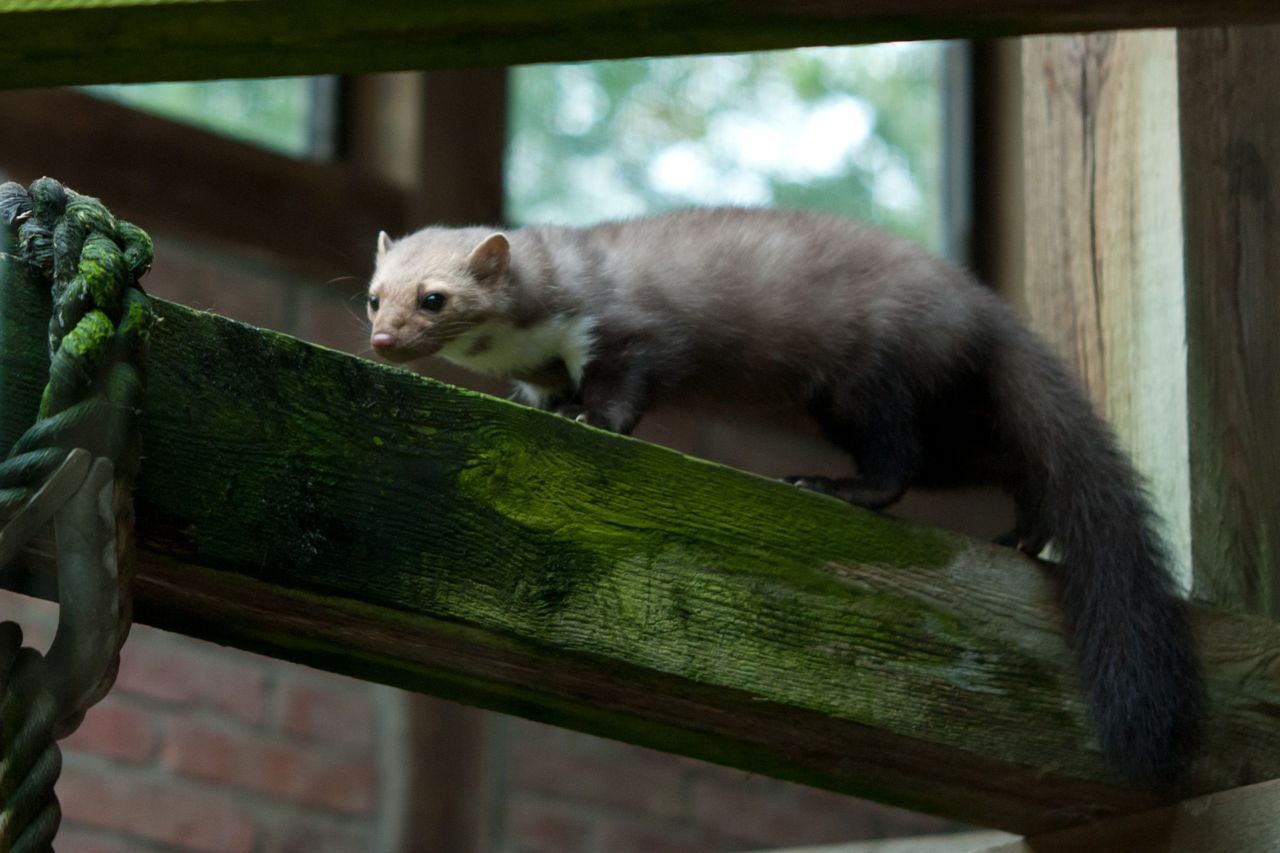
(850, 130)
(276, 113)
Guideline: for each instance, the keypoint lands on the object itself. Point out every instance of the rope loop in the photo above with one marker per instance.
(74, 467)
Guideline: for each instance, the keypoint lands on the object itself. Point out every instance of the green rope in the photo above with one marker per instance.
(97, 343)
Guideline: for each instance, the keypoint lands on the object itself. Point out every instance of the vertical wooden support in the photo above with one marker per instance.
(1153, 212)
(1230, 123)
(379, 130)
(441, 136)
(464, 139)
(1104, 241)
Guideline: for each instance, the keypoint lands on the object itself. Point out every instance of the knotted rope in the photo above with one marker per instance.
(73, 466)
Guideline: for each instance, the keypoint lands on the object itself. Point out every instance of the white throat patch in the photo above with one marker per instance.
(498, 348)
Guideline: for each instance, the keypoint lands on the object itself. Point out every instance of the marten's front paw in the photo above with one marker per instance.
(574, 412)
(821, 485)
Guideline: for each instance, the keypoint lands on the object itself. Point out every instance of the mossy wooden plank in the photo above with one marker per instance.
(325, 509)
(56, 42)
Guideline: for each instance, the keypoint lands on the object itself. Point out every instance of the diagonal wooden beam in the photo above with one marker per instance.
(198, 183)
(57, 42)
(325, 509)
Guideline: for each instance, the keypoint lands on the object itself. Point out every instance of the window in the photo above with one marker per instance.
(289, 115)
(850, 130)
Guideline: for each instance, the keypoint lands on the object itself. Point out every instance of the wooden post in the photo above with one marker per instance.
(1152, 187)
(464, 138)
(1104, 241)
(1230, 127)
(441, 136)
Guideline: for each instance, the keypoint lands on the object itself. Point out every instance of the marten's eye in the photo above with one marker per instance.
(373, 302)
(433, 302)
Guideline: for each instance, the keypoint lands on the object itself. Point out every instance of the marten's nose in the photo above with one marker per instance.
(382, 342)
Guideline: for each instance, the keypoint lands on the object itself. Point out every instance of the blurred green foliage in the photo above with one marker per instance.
(853, 130)
(274, 113)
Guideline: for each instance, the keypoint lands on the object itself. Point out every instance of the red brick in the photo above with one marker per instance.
(169, 812)
(260, 764)
(180, 676)
(622, 838)
(769, 813)
(536, 826)
(638, 781)
(115, 730)
(303, 838)
(897, 823)
(330, 716)
(84, 842)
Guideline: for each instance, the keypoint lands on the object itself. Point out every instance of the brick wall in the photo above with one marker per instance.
(201, 748)
(563, 791)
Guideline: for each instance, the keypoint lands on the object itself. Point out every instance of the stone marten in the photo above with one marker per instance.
(904, 360)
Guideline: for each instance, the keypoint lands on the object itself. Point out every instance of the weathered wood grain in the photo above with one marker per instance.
(1230, 128)
(1152, 181)
(54, 42)
(328, 510)
(1103, 237)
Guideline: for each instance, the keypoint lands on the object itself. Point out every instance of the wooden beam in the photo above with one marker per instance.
(1243, 820)
(380, 126)
(1103, 242)
(56, 42)
(463, 115)
(318, 216)
(1152, 188)
(442, 136)
(1230, 130)
(324, 509)
(977, 841)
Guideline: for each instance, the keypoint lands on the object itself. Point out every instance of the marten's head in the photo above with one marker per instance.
(431, 288)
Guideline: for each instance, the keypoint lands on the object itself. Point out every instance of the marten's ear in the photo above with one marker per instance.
(489, 261)
(384, 243)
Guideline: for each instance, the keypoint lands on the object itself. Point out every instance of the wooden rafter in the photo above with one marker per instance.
(160, 171)
(56, 42)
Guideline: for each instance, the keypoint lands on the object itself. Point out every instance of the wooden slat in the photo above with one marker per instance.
(1241, 821)
(320, 217)
(324, 509)
(442, 136)
(1103, 242)
(979, 841)
(464, 143)
(1152, 186)
(1230, 128)
(52, 42)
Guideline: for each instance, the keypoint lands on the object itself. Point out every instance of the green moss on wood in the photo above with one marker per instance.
(357, 517)
(407, 493)
(55, 42)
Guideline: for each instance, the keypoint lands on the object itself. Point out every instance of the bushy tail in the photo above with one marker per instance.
(1131, 634)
